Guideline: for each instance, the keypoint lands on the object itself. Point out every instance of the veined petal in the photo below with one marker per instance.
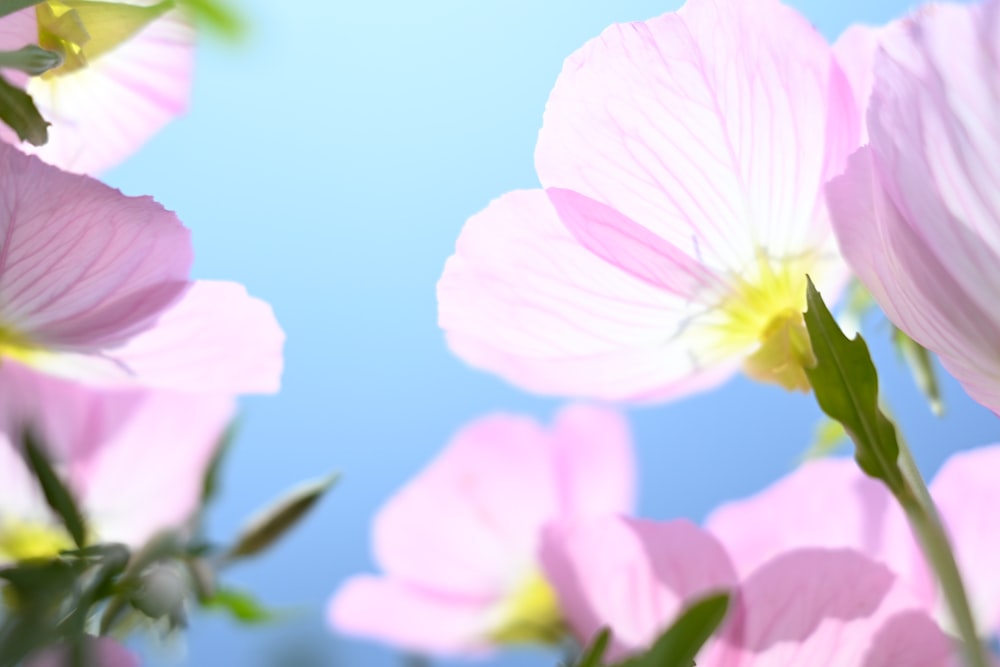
(397, 613)
(522, 297)
(967, 495)
(855, 53)
(81, 265)
(631, 575)
(916, 286)
(104, 112)
(216, 340)
(714, 127)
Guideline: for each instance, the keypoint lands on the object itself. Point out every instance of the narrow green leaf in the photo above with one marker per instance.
(210, 482)
(272, 523)
(593, 656)
(217, 16)
(827, 439)
(240, 605)
(921, 365)
(8, 7)
(19, 112)
(56, 494)
(846, 386)
(679, 645)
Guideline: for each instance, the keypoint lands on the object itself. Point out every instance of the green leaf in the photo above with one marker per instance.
(594, 654)
(210, 482)
(272, 523)
(240, 605)
(10, 6)
(679, 645)
(19, 112)
(217, 16)
(921, 366)
(827, 439)
(846, 386)
(56, 494)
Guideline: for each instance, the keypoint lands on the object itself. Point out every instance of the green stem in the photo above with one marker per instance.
(927, 526)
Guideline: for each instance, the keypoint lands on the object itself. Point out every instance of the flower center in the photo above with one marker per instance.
(765, 310)
(26, 540)
(83, 30)
(530, 616)
(16, 346)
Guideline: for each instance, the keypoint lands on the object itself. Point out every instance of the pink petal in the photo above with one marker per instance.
(522, 297)
(915, 286)
(216, 340)
(101, 652)
(594, 462)
(20, 497)
(714, 127)
(823, 607)
(402, 615)
(824, 503)
(469, 523)
(631, 575)
(967, 496)
(81, 265)
(911, 638)
(16, 31)
(105, 112)
(855, 53)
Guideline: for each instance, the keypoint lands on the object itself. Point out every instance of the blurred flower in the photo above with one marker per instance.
(99, 652)
(135, 460)
(802, 608)
(831, 503)
(917, 213)
(94, 286)
(459, 543)
(127, 70)
(683, 160)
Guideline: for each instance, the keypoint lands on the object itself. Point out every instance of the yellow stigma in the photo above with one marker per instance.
(765, 310)
(17, 347)
(83, 30)
(530, 616)
(27, 540)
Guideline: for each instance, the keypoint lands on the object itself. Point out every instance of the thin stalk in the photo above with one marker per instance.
(927, 526)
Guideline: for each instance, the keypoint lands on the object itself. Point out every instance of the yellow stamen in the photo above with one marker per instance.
(530, 616)
(28, 540)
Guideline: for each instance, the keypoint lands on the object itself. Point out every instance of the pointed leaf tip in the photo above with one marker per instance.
(845, 382)
(57, 495)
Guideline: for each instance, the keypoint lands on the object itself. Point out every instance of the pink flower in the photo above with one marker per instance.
(459, 543)
(94, 286)
(830, 503)
(682, 161)
(802, 608)
(917, 212)
(133, 459)
(125, 76)
(101, 652)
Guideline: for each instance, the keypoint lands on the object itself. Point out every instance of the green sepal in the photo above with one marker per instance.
(18, 111)
(846, 386)
(680, 644)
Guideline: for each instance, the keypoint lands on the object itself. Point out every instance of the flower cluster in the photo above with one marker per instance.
(702, 174)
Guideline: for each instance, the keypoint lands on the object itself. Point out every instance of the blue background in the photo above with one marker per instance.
(329, 163)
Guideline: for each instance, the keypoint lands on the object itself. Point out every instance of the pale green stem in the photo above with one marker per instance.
(927, 526)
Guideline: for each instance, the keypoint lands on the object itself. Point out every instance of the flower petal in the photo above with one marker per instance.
(101, 652)
(855, 52)
(401, 615)
(104, 112)
(216, 340)
(522, 297)
(81, 265)
(631, 575)
(714, 127)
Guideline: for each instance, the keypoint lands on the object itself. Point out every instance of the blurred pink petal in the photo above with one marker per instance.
(134, 459)
(104, 112)
(855, 52)
(466, 530)
(632, 575)
(968, 495)
(100, 652)
(917, 213)
(684, 158)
